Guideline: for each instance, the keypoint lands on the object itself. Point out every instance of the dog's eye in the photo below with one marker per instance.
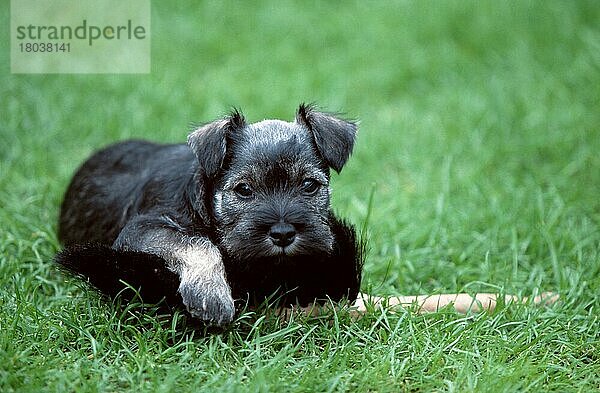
(310, 186)
(243, 190)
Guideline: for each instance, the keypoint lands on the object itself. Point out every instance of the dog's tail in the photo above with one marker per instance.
(111, 271)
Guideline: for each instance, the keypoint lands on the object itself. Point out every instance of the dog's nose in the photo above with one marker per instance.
(282, 234)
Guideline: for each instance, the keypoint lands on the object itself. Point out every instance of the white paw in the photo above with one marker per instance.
(208, 299)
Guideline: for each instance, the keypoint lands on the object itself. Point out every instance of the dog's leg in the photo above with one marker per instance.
(198, 263)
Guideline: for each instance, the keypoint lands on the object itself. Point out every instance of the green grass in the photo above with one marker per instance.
(480, 138)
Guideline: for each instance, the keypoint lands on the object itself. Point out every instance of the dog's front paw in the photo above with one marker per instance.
(208, 299)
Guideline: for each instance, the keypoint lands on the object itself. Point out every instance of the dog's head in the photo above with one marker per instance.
(267, 183)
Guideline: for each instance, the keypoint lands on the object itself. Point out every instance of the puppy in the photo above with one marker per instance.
(240, 212)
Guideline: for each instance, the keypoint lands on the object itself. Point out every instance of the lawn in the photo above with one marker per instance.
(479, 142)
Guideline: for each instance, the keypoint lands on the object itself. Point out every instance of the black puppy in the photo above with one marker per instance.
(240, 212)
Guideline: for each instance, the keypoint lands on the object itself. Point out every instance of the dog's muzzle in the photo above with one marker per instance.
(282, 234)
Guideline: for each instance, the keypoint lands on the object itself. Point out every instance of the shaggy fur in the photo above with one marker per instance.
(240, 212)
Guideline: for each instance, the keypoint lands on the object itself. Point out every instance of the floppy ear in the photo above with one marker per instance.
(209, 142)
(334, 137)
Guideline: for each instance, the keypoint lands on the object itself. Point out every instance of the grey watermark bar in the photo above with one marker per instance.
(80, 36)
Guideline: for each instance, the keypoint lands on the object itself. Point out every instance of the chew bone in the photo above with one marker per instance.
(462, 303)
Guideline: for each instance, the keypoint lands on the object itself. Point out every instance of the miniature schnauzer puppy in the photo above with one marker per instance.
(242, 211)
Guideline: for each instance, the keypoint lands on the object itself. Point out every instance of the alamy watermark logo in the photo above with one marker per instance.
(80, 36)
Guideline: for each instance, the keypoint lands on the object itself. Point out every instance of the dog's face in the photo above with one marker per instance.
(273, 195)
(269, 181)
